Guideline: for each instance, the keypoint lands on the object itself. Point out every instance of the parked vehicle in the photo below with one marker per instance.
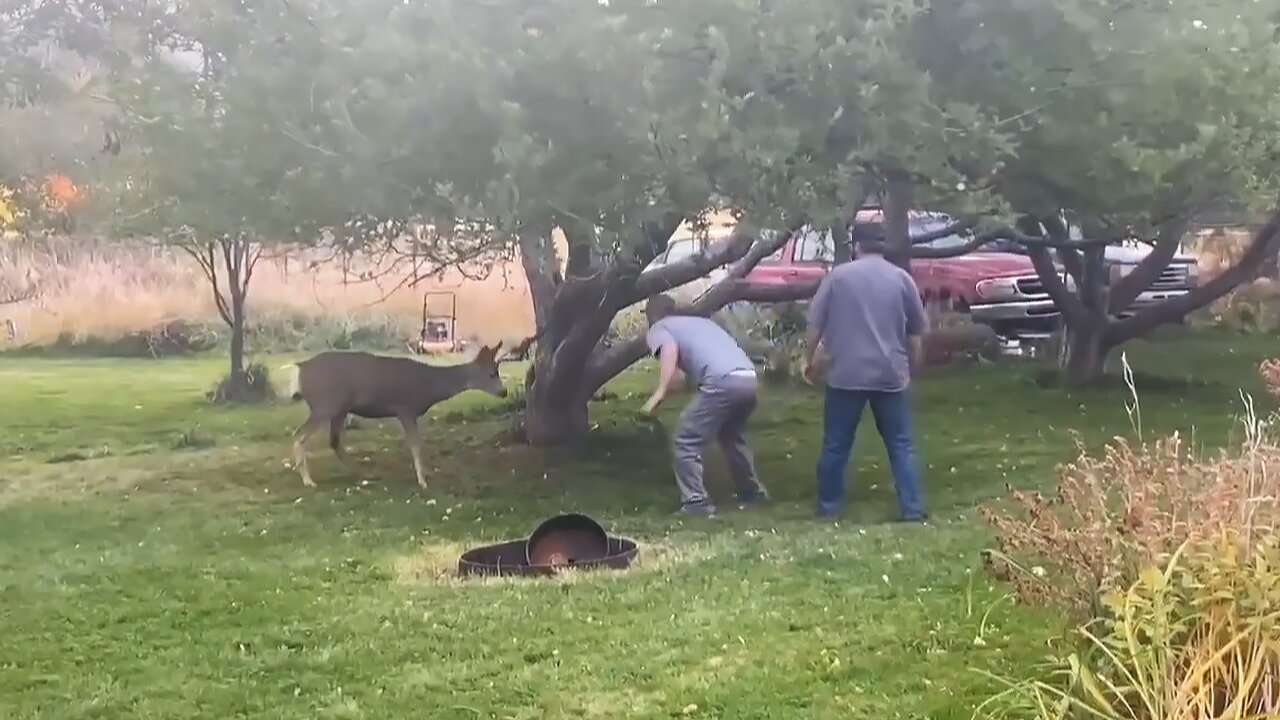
(999, 289)
(685, 243)
(1179, 278)
(996, 288)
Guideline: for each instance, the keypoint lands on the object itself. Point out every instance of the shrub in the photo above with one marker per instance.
(1269, 370)
(253, 386)
(173, 338)
(291, 332)
(1192, 638)
(1252, 308)
(1115, 514)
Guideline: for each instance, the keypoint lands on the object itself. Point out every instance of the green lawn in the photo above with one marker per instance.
(145, 574)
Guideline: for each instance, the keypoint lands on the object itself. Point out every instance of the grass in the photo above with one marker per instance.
(137, 287)
(159, 560)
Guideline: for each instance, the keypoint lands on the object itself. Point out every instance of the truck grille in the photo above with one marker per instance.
(1174, 277)
(1029, 286)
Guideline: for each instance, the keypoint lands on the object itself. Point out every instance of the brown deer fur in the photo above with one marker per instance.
(337, 384)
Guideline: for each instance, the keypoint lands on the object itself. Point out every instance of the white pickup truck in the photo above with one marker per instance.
(1179, 278)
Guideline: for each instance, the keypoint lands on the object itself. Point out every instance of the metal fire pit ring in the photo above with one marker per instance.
(510, 559)
(567, 540)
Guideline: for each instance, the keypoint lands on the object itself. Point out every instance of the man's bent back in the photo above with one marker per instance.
(726, 398)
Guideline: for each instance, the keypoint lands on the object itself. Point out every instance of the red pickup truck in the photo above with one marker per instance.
(999, 289)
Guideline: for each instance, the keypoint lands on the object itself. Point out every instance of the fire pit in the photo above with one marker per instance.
(560, 543)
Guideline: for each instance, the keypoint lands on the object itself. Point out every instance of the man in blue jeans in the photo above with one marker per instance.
(868, 317)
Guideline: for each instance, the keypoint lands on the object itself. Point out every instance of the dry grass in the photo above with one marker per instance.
(1218, 249)
(110, 290)
(1116, 514)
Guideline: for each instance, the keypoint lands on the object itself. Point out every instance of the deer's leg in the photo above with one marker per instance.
(336, 426)
(300, 437)
(413, 440)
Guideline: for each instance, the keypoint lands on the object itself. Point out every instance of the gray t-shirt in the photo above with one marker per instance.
(864, 312)
(707, 352)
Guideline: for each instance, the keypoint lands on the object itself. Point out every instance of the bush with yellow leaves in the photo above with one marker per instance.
(1171, 563)
(1194, 639)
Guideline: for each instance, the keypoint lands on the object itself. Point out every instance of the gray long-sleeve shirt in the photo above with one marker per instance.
(864, 312)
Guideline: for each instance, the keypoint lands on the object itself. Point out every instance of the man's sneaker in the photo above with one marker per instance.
(754, 500)
(914, 518)
(702, 509)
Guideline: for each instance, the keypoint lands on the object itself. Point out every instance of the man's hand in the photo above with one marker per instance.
(811, 372)
(813, 351)
(650, 408)
(915, 356)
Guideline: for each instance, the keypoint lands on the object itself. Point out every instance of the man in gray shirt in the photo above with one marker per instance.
(726, 382)
(868, 317)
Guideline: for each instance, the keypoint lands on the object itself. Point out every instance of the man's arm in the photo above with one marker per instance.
(664, 346)
(916, 349)
(817, 321)
(916, 322)
(668, 360)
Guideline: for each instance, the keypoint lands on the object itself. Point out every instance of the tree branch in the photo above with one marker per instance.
(656, 234)
(1066, 301)
(204, 256)
(580, 238)
(928, 253)
(1166, 245)
(541, 270)
(674, 275)
(954, 228)
(1265, 244)
(605, 366)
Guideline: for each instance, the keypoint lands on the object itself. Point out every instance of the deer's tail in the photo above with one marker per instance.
(293, 388)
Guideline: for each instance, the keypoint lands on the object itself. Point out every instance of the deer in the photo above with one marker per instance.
(337, 384)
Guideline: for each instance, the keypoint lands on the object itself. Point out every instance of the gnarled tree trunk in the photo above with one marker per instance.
(571, 361)
(1091, 330)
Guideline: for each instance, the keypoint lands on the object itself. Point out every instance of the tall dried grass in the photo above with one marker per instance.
(89, 289)
(1115, 514)
(1175, 559)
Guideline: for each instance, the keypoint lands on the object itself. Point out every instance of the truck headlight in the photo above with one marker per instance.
(998, 289)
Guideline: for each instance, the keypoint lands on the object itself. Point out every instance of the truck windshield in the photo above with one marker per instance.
(924, 226)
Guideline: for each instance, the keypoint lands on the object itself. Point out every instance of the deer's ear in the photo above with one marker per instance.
(496, 348)
(485, 354)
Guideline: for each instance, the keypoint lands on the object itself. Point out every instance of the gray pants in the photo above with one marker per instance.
(720, 411)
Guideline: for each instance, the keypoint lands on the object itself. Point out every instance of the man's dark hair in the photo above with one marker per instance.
(658, 307)
(868, 237)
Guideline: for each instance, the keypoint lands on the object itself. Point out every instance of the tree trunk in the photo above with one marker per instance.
(228, 264)
(897, 219)
(1085, 350)
(237, 342)
(842, 241)
(571, 361)
(551, 419)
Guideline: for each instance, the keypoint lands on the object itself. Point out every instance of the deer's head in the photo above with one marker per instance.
(483, 372)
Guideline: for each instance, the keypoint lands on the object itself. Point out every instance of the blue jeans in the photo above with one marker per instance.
(892, 413)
